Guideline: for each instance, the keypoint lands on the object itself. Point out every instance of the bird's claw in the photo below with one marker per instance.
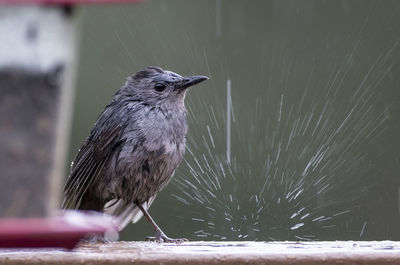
(160, 237)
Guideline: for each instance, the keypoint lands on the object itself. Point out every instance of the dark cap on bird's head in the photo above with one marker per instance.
(154, 84)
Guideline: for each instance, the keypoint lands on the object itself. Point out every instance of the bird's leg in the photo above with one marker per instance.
(160, 236)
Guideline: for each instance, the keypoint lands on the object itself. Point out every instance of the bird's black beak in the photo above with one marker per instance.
(191, 81)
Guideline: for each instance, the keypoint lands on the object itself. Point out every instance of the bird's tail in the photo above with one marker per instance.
(124, 212)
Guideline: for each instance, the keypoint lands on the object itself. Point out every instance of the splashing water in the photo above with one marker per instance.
(314, 113)
(304, 158)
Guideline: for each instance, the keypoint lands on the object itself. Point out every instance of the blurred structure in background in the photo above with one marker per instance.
(37, 61)
(37, 71)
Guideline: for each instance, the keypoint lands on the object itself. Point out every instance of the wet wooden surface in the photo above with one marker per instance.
(335, 252)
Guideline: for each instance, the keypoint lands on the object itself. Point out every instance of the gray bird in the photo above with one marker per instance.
(133, 149)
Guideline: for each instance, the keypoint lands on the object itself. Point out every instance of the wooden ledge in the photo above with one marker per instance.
(332, 252)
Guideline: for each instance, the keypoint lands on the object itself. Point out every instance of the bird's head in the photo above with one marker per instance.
(156, 86)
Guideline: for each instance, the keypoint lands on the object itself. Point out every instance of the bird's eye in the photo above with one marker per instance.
(159, 87)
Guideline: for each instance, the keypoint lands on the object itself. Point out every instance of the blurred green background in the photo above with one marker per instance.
(315, 122)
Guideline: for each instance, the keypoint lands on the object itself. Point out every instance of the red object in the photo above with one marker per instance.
(68, 2)
(63, 231)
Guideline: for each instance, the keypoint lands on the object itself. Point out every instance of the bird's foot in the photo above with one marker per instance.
(160, 237)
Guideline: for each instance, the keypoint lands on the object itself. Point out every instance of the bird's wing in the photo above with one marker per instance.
(91, 159)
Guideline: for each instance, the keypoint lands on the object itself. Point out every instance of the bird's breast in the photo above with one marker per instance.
(153, 149)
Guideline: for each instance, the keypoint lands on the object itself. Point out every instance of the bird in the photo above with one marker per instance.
(133, 149)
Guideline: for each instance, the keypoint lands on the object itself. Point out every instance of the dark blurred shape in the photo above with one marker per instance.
(28, 107)
(37, 57)
(37, 62)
